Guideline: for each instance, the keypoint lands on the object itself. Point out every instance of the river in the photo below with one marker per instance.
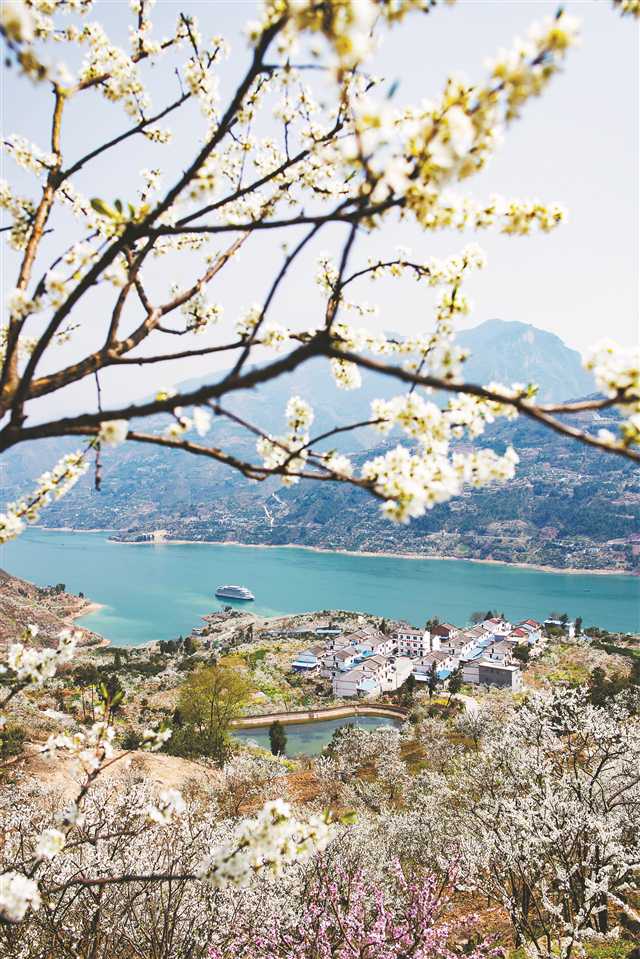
(154, 592)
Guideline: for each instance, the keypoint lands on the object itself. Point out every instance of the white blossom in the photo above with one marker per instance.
(17, 894)
(113, 432)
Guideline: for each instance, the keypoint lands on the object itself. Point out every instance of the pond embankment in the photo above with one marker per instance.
(319, 715)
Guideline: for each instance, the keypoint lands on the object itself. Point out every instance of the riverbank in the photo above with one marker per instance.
(570, 571)
(88, 610)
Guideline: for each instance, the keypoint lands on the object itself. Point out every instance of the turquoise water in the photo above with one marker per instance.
(311, 738)
(161, 591)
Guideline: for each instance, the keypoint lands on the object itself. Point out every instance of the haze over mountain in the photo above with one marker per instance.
(505, 350)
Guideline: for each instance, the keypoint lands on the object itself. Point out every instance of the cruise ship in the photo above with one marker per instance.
(234, 592)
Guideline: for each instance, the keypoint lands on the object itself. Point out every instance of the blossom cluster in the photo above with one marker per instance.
(289, 453)
(274, 839)
(22, 210)
(413, 482)
(33, 666)
(617, 373)
(18, 893)
(54, 483)
(199, 314)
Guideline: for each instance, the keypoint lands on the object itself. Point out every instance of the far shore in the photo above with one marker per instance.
(570, 571)
(374, 554)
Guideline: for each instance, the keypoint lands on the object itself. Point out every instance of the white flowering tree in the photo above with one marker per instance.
(66, 835)
(545, 819)
(340, 160)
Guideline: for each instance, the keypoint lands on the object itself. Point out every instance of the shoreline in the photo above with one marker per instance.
(87, 610)
(570, 571)
(72, 620)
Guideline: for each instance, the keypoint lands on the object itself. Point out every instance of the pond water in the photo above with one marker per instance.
(311, 738)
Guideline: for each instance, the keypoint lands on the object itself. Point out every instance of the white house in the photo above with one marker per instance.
(308, 661)
(460, 647)
(375, 675)
(478, 633)
(340, 660)
(445, 631)
(500, 652)
(533, 628)
(496, 626)
(415, 642)
(378, 644)
(445, 664)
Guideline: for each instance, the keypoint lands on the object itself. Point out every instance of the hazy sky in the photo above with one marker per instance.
(577, 144)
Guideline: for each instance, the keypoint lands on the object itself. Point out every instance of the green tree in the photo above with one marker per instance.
(432, 623)
(598, 686)
(522, 653)
(578, 625)
(189, 646)
(12, 737)
(432, 679)
(111, 694)
(455, 683)
(277, 738)
(407, 690)
(210, 699)
(117, 659)
(476, 617)
(87, 679)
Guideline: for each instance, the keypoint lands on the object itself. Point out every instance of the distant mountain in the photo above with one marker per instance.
(509, 351)
(504, 351)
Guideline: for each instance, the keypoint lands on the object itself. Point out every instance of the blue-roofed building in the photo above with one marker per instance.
(444, 663)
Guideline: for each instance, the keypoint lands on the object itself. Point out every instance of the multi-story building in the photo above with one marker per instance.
(340, 660)
(308, 661)
(533, 628)
(415, 642)
(487, 673)
(500, 652)
(445, 631)
(461, 647)
(496, 626)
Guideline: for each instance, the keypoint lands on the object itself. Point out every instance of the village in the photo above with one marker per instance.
(367, 662)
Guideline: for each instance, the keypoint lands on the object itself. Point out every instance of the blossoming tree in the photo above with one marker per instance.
(269, 842)
(341, 159)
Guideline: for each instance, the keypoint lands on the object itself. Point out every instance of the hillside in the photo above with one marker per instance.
(50, 609)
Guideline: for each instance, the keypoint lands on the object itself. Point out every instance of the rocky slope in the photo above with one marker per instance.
(50, 609)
